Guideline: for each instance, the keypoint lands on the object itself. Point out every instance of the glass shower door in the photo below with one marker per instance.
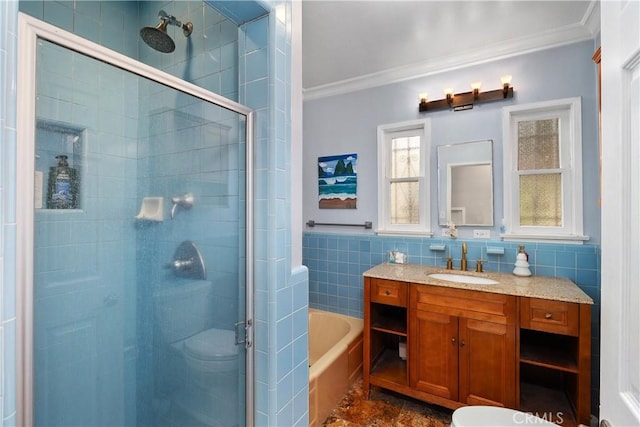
(139, 289)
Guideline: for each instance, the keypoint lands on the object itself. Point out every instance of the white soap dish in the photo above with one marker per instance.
(152, 209)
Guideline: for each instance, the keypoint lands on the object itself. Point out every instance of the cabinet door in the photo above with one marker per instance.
(433, 352)
(487, 363)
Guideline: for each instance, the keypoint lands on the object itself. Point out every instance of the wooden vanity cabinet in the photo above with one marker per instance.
(466, 347)
(462, 346)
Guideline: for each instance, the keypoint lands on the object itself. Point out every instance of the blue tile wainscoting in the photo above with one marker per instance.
(336, 263)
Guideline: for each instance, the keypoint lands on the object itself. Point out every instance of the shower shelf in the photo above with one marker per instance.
(151, 209)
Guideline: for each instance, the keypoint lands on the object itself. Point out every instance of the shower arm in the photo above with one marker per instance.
(172, 20)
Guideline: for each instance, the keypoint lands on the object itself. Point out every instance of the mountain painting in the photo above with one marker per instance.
(337, 181)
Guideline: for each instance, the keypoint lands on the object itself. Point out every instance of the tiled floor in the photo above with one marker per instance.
(388, 409)
(385, 408)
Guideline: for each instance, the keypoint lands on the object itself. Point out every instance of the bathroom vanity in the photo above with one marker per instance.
(520, 342)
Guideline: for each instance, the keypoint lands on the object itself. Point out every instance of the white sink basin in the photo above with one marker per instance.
(460, 278)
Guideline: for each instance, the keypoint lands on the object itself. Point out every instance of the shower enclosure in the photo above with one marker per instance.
(135, 307)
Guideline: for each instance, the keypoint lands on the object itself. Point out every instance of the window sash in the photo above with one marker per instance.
(396, 153)
(567, 112)
(389, 219)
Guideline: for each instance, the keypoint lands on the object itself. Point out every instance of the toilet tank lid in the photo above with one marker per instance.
(492, 416)
(212, 344)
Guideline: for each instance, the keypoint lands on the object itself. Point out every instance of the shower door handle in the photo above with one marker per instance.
(241, 333)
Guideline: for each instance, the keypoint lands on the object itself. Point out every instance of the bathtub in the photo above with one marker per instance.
(335, 360)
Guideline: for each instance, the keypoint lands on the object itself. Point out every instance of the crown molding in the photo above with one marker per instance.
(569, 34)
(591, 18)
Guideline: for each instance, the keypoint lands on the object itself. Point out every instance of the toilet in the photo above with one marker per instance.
(198, 367)
(208, 395)
(495, 416)
(209, 353)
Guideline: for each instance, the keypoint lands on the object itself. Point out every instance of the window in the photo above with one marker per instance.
(542, 149)
(403, 169)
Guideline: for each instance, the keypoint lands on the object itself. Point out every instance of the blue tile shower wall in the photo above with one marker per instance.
(83, 252)
(109, 23)
(253, 38)
(100, 22)
(209, 58)
(280, 294)
(336, 263)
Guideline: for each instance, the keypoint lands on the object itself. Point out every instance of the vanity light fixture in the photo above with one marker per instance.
(465, 100)
(475, 88)
(448, 93)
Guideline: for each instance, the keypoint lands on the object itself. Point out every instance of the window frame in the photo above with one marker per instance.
(386, 133)
(569, 114)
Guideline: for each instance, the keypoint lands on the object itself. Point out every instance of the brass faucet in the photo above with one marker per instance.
(463, 261)
(449, 263)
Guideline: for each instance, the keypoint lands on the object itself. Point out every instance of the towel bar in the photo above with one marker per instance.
(367, 224)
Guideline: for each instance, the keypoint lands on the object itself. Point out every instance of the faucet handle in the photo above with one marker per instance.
(479, 268)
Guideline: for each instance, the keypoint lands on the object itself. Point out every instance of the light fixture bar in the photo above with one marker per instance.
(465, 100)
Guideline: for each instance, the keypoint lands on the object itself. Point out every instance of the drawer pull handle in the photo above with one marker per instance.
(547, 315)
(462, 343)
(387, 293)
(453, 340)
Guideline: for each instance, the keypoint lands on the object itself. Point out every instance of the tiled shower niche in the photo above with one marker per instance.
(52, 141)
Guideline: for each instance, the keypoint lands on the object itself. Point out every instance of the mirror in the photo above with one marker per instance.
(465, 183)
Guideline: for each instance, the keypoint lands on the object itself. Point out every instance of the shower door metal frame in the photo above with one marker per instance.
(29, 31)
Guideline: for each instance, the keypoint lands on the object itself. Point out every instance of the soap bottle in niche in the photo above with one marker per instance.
(63, 186)
(522, 263)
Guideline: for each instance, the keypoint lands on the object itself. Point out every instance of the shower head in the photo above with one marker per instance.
(157, 37)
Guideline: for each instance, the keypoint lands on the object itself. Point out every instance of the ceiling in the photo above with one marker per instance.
(352, 45)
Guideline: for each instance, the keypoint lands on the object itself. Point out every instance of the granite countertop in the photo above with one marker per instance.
(545, 287)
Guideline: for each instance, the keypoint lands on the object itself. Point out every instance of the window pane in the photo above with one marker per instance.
(405, 203)
(541, 200)
(538, 144)
(405, 157)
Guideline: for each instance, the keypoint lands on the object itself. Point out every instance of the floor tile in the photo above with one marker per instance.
(385, 408)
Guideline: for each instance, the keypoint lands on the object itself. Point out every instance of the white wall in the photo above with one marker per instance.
(296, 134)
(347, 124)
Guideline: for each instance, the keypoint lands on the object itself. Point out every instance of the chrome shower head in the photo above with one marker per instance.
(157, 37)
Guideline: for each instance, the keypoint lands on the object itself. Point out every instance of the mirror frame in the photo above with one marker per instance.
(444, 180)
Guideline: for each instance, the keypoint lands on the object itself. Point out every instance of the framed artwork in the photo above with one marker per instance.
(337, 181)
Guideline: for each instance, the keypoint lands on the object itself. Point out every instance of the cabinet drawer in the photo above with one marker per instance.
(497, 308)
(389, 292)
(549, 316)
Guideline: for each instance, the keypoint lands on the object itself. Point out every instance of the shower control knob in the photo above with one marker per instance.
(179, 264)
(187, 262)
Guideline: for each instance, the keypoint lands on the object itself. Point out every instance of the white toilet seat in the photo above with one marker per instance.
(212, 344)
(495, 416)
(212, 351)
